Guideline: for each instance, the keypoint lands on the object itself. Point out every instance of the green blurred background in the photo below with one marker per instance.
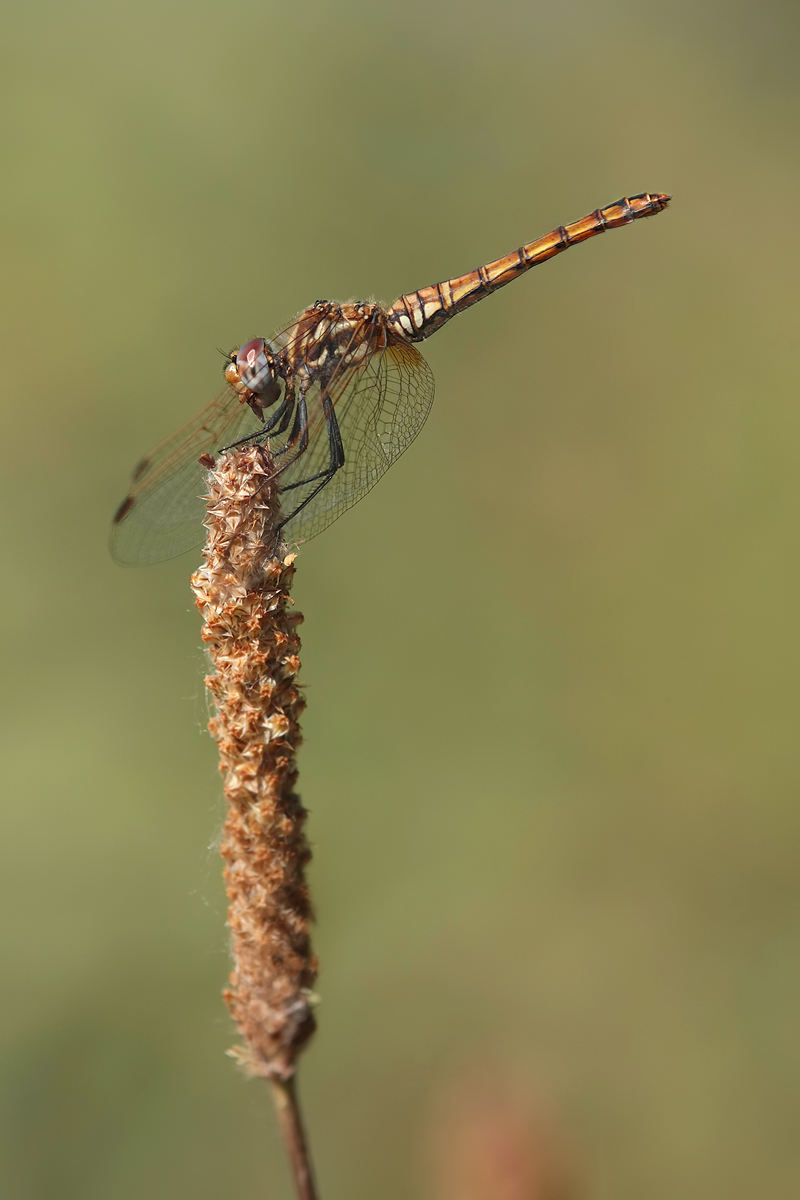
(552, 661)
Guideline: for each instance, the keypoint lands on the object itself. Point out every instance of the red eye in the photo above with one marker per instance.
(253, 364)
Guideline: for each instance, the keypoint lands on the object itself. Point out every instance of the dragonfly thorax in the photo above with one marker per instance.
(330, 339)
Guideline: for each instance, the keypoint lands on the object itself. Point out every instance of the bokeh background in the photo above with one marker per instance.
(553, 661)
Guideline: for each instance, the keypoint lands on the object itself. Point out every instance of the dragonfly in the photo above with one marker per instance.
(335, 397)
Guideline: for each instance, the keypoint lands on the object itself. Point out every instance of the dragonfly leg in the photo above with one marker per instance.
(298, 438)
(287, 415)
(277, 423)
(335, 463)
(336, 459)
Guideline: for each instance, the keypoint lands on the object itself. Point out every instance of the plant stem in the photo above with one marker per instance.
(291, 1121)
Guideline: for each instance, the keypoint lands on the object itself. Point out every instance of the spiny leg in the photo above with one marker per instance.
(298, 438)
(335, 463)
(336, 460)
(276, 424)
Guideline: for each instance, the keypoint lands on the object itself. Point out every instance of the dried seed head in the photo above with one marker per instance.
(250, 630)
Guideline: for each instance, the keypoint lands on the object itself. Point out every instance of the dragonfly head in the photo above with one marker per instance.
(251, 372)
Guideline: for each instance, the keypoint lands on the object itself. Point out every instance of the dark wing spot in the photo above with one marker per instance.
(124, 509)
(140, 468)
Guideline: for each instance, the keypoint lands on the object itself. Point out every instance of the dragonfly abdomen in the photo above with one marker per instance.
(419, 314)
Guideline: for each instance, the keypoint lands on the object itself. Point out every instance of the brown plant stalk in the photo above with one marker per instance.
(250, 629)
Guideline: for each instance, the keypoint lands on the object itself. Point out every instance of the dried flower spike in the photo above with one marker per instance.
(250, 630)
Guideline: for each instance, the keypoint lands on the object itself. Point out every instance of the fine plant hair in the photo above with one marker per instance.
(250, 630)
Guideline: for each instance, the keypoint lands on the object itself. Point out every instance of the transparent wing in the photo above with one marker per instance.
(163, 513)
(380, 405)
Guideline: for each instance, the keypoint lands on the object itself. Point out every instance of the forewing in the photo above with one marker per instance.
(163, 513)
(380, 407)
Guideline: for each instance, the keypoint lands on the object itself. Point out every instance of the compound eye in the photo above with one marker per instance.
(253, 365)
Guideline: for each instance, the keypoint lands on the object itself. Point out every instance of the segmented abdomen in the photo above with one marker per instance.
(419, 314)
